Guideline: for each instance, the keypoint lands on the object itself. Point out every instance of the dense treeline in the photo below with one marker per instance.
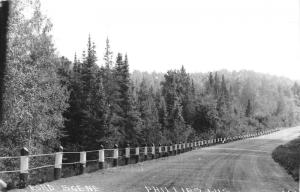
(109, 106)
(228, 103)
(50, 100)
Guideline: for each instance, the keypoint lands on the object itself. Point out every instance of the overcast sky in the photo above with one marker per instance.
(202, 35)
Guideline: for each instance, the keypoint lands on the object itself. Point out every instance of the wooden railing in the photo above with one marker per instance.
(130, 154)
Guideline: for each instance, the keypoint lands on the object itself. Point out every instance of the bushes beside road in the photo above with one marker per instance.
(288, 156)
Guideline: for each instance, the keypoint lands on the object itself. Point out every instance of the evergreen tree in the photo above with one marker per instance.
(216, 85)
(187, 96)
(248, 112)
(113, 121)
(109, 82)
(64, 71)
(210, 83)
(128, 112)
(162, 111)
(86, 118)
(122, 77)
(224, 90)
(175, 90)
(178, 130)
(151, 131)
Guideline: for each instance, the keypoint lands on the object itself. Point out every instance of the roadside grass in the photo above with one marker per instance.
(288, 156)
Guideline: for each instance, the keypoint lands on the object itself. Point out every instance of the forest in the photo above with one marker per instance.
(50, 100)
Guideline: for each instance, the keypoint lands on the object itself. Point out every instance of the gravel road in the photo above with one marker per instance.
(244, 165)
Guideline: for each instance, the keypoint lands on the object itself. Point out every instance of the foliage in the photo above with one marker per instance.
(34, 98)
(288, 156)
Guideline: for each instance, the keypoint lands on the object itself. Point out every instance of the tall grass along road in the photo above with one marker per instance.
(244, 165)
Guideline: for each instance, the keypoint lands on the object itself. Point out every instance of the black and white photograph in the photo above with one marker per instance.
(149, 95)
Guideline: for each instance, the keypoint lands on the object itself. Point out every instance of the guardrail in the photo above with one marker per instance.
(146, 152)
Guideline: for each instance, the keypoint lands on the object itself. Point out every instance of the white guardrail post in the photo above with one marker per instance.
(171, 149)
(127, 154)
(101, 157)
(116, 155)
(24, 165)
(137, 154)
(146, 152)
(58, 163)
(159, 150)
(166, 150)
(82, 162)
(153, 151)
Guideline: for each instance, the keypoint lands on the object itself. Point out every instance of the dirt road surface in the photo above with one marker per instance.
(244, 165)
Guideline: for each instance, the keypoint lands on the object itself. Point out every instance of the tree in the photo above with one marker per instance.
(34, 99)
(151, 131)
(216, 85)
(114, 130)
(162, 111)
(178, 130)
(128, 112)
(86, 124)
(123, 80)
(175, 90)
(209, 84)
(248, 112)
(206, 118)
(187, 90)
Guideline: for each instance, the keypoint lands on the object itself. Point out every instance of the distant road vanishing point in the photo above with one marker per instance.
(241, 166)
